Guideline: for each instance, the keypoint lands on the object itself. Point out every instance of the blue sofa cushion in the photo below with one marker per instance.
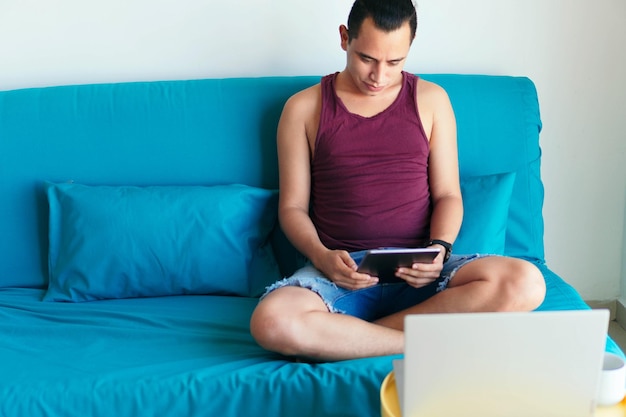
(486, 200)
(128, 241)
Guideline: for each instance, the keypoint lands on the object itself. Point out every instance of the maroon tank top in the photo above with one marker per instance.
(370, 174)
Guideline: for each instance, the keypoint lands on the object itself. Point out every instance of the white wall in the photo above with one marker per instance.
(572, 49)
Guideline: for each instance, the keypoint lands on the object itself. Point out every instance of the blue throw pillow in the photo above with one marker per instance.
(486, 202)
(125, 241)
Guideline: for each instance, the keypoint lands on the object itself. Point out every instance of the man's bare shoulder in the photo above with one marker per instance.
(430, 91)
(302, 114)
(433, 105)
(304, 102)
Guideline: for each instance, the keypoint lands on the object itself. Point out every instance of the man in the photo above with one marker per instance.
(368, 159)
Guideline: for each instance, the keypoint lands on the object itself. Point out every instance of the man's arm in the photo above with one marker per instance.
(444, 170)
(294, 156)
(295, 130)
(439, 124)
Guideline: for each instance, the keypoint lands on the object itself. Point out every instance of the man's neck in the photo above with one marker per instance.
(358, 102)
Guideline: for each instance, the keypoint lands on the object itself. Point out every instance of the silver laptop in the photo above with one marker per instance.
(539, 364)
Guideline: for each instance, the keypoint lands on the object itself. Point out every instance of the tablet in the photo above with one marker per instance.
(383, 263)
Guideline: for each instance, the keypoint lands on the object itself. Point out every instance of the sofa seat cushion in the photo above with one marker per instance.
(187, 356)
(128, 241)
(180, 355)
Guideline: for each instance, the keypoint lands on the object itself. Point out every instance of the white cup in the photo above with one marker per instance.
(612, 381)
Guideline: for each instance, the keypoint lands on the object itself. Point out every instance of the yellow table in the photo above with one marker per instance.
(391, 408)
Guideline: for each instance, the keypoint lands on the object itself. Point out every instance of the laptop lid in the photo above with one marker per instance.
(539, 364)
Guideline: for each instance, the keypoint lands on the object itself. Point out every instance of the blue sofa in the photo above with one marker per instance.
(139, 227)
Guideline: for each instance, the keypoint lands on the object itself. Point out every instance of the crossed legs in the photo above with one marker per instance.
(295, 321)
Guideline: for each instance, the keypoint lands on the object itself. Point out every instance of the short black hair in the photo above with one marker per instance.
(388, 15)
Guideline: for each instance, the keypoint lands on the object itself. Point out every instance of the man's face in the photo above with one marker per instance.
(375, 58)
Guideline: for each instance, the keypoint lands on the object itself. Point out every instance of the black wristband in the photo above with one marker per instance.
(447, 246)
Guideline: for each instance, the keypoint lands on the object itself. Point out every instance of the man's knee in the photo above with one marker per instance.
(523, 286)
(271, 328)
(277, 324)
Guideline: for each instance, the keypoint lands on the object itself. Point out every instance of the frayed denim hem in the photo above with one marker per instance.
(316, 284)
(460, 262)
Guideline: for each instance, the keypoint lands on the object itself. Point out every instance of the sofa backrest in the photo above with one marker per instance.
(220, 131)
(498, 126)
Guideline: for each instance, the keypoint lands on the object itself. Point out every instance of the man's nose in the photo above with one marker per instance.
(377, 73)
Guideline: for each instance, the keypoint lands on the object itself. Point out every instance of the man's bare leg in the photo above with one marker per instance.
(486, 284)
(295, 321)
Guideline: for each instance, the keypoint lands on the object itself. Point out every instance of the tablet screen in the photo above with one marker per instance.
(383, 263)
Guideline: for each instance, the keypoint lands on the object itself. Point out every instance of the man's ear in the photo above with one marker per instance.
(345, 39)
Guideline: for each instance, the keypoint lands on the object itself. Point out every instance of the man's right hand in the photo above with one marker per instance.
(340, 268)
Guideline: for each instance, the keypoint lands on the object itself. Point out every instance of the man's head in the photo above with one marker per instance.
(377, 43)
(388, 15)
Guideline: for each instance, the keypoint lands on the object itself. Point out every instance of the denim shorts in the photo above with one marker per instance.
(374, 302)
